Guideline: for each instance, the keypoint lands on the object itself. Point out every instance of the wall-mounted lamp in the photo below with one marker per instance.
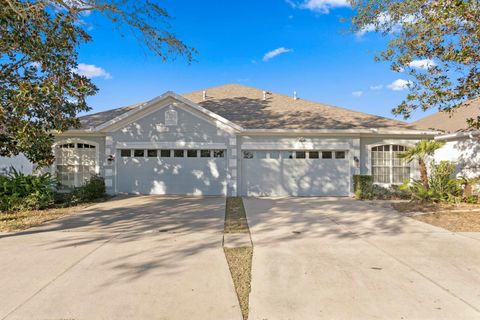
(356, 161)
(110, 159)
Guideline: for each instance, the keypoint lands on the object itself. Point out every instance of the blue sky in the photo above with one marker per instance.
(316, 56)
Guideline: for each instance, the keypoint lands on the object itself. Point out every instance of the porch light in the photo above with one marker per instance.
(356, 161)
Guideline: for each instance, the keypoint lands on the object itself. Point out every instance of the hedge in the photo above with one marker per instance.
(363, 186)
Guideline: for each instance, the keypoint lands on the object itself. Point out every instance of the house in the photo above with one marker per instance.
(20, 163)
(234, 140)
(462, 144)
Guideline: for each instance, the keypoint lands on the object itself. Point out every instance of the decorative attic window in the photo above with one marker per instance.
(171, 117)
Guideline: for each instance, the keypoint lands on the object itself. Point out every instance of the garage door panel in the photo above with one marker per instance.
(191, 176)
(296, 177)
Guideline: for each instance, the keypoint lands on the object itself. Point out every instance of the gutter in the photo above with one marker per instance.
(469, 134)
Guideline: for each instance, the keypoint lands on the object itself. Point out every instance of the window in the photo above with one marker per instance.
(205, 153)
(192, 153)
(339, 154)
(261, 154)
(125, 153)
(151, 153)
(387, 166)
(326, 154)
(300, 155)
(274, 154)
(287, 154)
(178, 153)
(218, 153)
(75, 163)
(313, 155)
(247, 155)
(165, 153)
(138, 153)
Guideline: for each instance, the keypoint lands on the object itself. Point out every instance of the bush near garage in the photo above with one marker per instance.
(363, 186)
(94, 189)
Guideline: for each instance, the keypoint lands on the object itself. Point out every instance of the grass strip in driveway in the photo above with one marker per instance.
(239, 258)
(240, 265)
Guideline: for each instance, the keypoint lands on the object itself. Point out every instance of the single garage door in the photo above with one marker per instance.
(171, 171)
(296, 173)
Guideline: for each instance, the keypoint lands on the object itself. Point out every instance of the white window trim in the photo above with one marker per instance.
(390, 164)
(53, 168)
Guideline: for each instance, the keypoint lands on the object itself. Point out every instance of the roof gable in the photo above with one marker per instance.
(128, 114)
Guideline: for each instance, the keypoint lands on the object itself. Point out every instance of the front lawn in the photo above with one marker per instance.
(21, 220)
(456, 218)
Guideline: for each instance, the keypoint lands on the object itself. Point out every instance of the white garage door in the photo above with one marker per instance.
(296, 173)
(171, 171)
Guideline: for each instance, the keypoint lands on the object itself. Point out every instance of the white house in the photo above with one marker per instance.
(234, 140)
(462, 144)
(19, 163)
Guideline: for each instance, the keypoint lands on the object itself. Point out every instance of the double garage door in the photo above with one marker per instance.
(296, 173)
(172, 171)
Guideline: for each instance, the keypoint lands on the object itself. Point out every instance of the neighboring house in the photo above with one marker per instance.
(462, 144)
(234, 140)
(19, 163)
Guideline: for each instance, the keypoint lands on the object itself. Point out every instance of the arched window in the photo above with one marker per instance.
(75, 163)
(387, 166)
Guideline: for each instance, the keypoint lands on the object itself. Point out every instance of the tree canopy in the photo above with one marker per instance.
(40, 89)
(436, 42)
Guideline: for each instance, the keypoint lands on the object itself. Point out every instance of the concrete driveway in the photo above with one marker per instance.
(337, 258)
(132, 258)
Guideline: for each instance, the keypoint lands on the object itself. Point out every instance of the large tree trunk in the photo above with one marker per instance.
(423, 173)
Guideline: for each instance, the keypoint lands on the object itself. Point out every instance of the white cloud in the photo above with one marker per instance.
(399, 85)
(324, 6)
(422, 64)
(272, 54)
(92, 71)
(377, 87)
(357, 93)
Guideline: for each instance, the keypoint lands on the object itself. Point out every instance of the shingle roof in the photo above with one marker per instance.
(451, 122)
(246, 107)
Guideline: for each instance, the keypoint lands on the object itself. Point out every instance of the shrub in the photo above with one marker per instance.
(92, 190)
(19, 191)
(392, 192)
(363, 186)
(442, 184)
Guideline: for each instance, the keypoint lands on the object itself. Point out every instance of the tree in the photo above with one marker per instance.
(437, 42)
(40, 91)
(421, 151)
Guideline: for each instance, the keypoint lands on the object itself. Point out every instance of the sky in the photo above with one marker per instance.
(275, 45)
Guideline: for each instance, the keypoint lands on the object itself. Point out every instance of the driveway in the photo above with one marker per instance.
(337, 258)
(133, 258)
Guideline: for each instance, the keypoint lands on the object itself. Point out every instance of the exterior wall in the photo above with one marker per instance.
(465, 152)
(367, 143)
(149, 130)
(20, 163)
